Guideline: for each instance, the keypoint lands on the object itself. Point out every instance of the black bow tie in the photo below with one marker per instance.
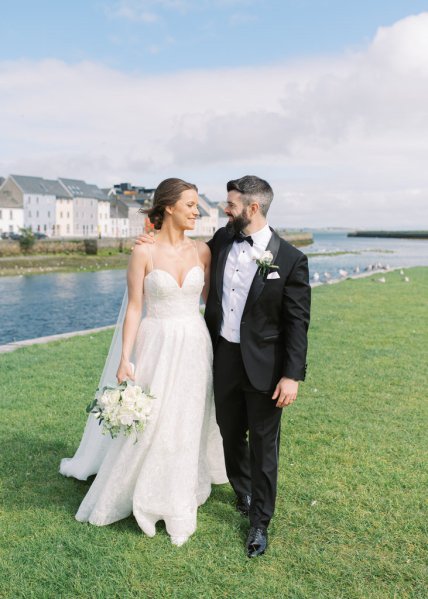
(239, 238)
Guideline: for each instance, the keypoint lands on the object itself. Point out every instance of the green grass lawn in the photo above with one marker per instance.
(351, 517)
(42, 264)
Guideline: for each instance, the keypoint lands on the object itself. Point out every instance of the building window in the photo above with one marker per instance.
(92, 228)
(38, 228)
(37, 214)
(49, 214)
(60, 214)
(1, 216)
(68, 215)
(37, 200)
(44, 228)
(29, 213)
(105, 228)
(11, 214)
(68, 228)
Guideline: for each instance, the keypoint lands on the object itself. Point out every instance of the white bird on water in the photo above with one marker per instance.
(327, 275)
(316, 277)
(343, 273)
(357, 269)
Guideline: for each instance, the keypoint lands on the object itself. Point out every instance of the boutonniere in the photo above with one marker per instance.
(264, 262)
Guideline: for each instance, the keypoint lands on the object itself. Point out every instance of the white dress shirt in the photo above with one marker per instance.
(238, 275)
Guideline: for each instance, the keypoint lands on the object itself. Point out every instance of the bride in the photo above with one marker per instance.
(168, 473)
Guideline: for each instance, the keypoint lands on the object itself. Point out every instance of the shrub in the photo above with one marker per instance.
(27, 240)
(91, 246)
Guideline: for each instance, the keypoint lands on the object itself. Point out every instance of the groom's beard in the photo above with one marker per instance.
(238, 223)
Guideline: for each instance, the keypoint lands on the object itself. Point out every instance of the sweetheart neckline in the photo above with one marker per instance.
(172, 276)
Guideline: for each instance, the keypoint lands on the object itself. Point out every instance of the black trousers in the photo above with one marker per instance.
(249, 423)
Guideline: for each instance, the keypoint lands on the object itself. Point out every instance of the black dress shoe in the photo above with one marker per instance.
(256, 542)
(243, 503)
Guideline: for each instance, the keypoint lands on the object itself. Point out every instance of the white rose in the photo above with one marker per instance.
(131, 394)
(109, 413)
(267, 257)
(126, 417)
(110, 397)
(142, 402)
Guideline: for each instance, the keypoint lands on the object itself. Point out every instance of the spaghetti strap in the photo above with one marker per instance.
(198, 262)
(151, 257)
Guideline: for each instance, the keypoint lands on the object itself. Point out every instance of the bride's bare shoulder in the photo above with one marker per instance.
(203, 249)
(140, 253)
(204, 253)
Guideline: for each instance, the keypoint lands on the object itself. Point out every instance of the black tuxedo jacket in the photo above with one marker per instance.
(275, 320)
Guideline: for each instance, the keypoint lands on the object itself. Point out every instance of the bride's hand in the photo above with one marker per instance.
(125, 371)
(145, 238)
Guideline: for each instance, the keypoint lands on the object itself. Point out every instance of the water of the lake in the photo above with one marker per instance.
(39, 305)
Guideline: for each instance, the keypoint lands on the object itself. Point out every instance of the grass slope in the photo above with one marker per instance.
(35, 264)
(351, 510)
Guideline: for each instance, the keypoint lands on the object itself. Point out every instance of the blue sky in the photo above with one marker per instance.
(324, 99)
(153, 36)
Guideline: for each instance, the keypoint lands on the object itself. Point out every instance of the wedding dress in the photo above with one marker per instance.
(168, 473)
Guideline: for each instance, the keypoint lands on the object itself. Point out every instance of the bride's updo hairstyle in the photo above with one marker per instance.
(167, 194)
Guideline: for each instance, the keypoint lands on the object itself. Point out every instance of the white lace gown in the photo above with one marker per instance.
(168, 473)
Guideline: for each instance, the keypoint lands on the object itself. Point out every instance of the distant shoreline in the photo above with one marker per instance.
(390, 234)
(108, 258)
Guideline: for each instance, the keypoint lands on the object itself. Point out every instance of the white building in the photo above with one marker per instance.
(37, 197)
(91, 209)
(11, 212)
(64, 226)
(137, 219)
(119, 220)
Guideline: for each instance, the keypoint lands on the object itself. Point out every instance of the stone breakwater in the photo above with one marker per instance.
(298, 238)
(391, 234)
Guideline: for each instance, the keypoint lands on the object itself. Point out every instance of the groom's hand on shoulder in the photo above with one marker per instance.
(285, 392)
(145, 238)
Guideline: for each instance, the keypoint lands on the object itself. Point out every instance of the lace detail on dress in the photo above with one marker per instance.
(168, 473)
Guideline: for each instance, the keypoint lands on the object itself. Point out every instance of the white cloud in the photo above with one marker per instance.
(343, 140)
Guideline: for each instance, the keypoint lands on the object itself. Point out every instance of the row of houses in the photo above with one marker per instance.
(70, 208)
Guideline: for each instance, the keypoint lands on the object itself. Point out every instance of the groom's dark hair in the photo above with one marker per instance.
(253, 188)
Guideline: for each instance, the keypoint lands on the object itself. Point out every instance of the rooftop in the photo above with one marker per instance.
(40, 186)
(78, 188)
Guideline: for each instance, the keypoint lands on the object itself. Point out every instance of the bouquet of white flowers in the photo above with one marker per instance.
(124, 408)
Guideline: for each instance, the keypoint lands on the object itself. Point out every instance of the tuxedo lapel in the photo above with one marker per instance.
(259, 282)
(221, 264)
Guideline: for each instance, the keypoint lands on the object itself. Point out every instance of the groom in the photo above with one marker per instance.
(257, 313)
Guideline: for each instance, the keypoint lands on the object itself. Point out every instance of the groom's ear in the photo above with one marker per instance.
(254, 208)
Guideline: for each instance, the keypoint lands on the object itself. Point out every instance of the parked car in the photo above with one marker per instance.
(38, 235)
